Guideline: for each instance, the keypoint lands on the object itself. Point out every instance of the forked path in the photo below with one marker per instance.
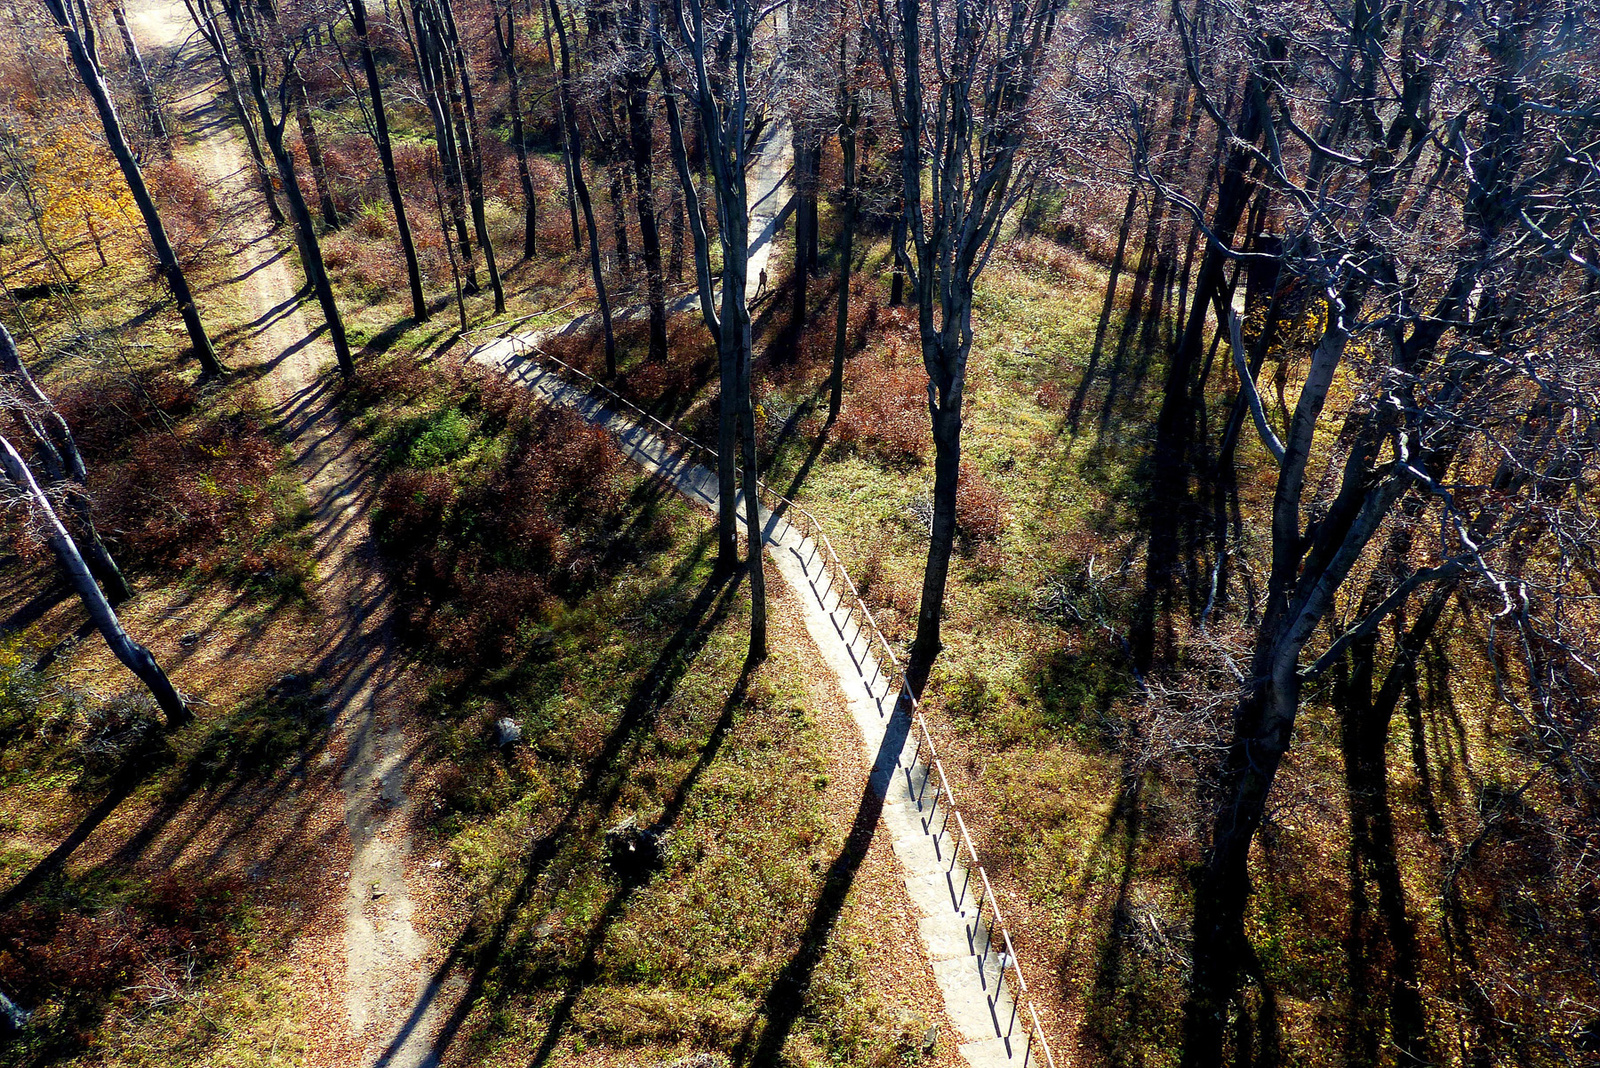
(366, 974)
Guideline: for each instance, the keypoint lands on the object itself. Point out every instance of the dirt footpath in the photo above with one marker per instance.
(366, 956)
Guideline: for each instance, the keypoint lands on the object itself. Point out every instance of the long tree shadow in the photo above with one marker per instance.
(36, 607)
(52, 861)
(818, 443)
(785, 999)
(380, 342)
(603, 780)
(263, 322)
(587, 971)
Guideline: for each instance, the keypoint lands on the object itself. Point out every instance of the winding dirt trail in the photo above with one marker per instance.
(369, 965)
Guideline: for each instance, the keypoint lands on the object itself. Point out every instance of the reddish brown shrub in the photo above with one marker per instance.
(413, 163)
(188, 210)
(372, 224)
(584, 348)
(337, 253)
(886, 411)
(980, 507)
(411, 513)
(1050, 396)
(190, 499)
(1042, 256)
(343, 167)
(354, 173)
(106, 414)
(479, 555)
(175, 489)
(59, 952)
(816, 344)
(654, 382)
(374, 265)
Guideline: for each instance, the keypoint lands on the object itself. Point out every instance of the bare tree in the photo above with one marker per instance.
(205, 21)
(1424, 325)
(574, 142)
(506, 42)
(270, 55)
(380, 135)
(638, 67)
(986, 62)
(566, 146)
(458, 83)
(719, 56)
(424, 35)
(81, 51)
(312, 142)
(58, 455)
(143, 88)
(847, 118)
(135, 657)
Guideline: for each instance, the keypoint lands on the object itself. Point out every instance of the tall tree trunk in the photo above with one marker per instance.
(143, 88)
(805, 191)
(641, 139)
(428, 48)
(566, 146)
(166, 258)
(692, 216)
(507, 42)
(135, 657)
(380, 128)
(1184, 170)
(813, 249)
(752, 515)
(1262, 725)
(206, 22)
(569, 114)
(897, 251)
(313, 144)
(841, 329)
(316, 271)
(247, 32)
(680, 223)
(619, 211)
(63, 463)
(736, 350)
(449, 250)
(461, 82)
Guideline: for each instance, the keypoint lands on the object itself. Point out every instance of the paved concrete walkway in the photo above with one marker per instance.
(914, 813)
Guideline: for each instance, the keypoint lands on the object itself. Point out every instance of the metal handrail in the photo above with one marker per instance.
(857, 603)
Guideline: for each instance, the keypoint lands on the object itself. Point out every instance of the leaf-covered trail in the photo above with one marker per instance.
(366, 965)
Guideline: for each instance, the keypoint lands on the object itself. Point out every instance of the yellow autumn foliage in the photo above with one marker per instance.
(67, 193)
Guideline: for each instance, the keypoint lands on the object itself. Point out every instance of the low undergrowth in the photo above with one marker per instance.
(86, 949)
(495, 513)
(111, 964)
(589, 674)
(191, 486)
